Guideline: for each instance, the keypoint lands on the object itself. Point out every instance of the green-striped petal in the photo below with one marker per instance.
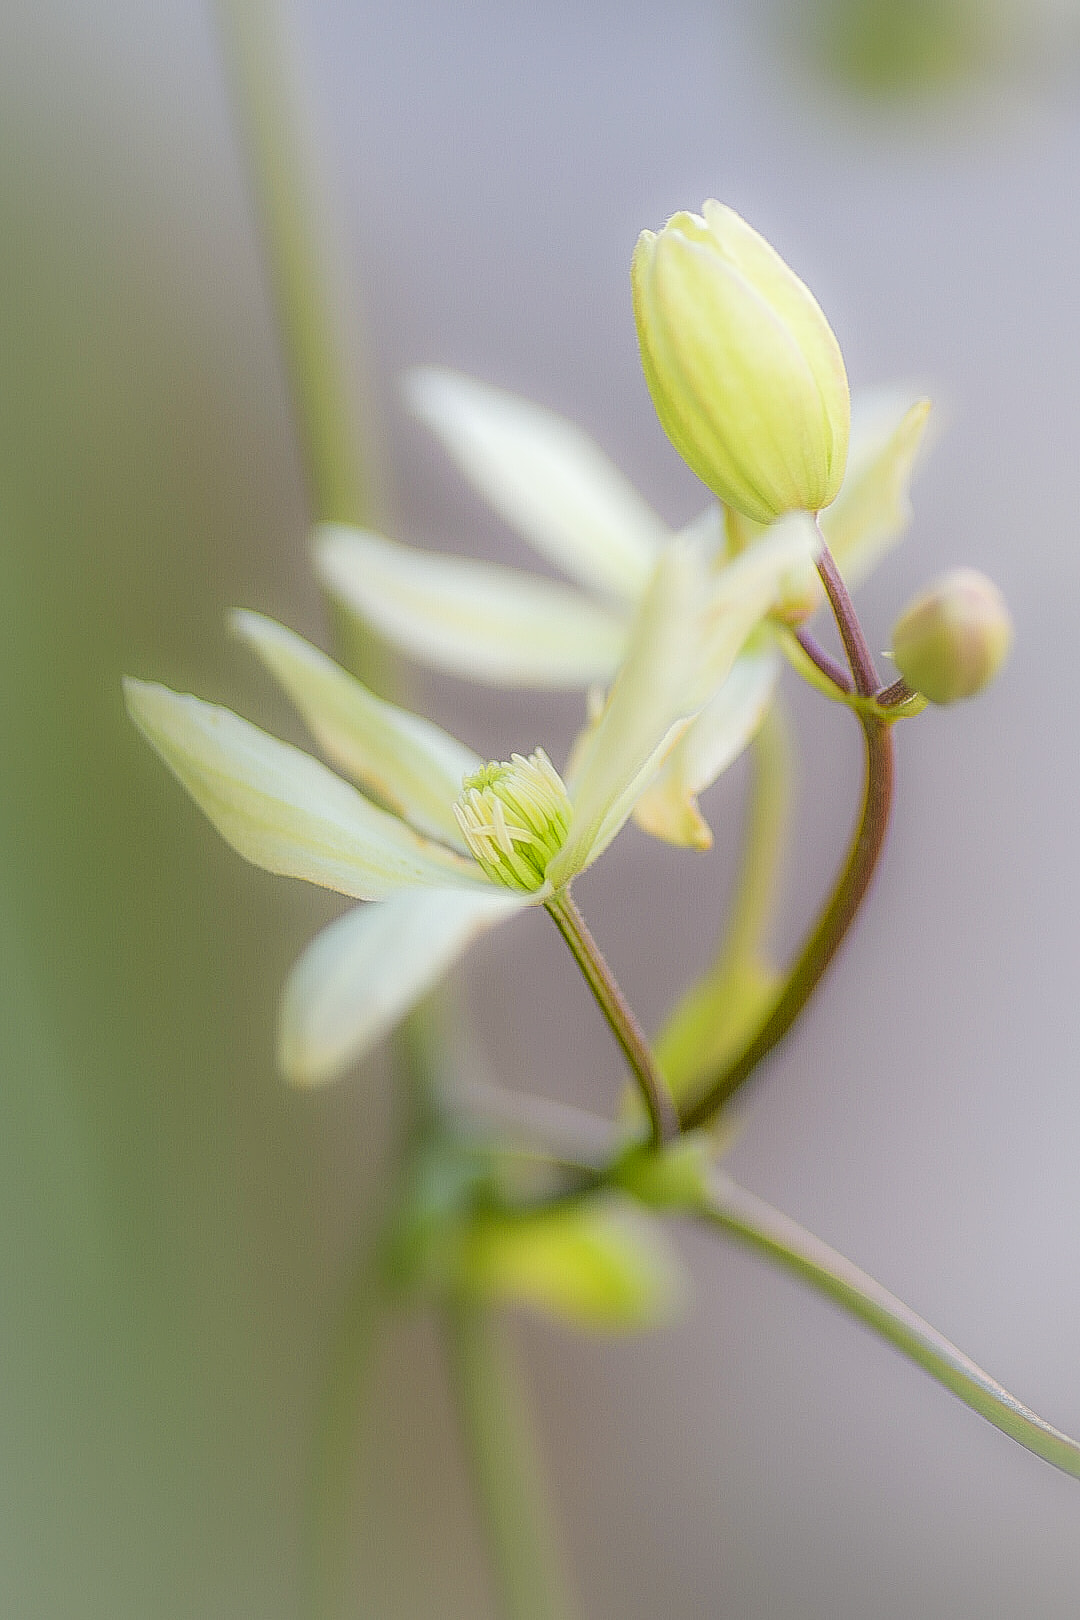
(668, 809)
(488, 624)
(693, 622)
(546, 478)
(873, 507)
(282, 809)
(414, 767)
(361, 975)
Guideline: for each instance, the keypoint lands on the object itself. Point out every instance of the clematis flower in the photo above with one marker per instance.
(554, 485)
(448, 845)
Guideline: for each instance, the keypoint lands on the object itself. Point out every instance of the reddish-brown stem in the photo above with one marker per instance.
(858, 869)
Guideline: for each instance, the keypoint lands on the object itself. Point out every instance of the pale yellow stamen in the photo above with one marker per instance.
(514, 816)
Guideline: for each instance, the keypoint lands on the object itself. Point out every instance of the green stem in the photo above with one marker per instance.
(505, 1465)
(663, 1116)
(768, 1232)
(332, 1496)
(308, 280)
(767, 816)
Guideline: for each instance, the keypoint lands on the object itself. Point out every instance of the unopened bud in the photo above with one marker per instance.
(952, 640)
(745, 373)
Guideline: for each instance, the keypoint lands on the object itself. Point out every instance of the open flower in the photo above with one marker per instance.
(453, 845)
(553, 484)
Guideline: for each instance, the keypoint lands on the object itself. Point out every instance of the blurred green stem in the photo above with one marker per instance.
(716, 1017)
(299, 237)
(759, 874)
(504, 1464)
(347, 1378)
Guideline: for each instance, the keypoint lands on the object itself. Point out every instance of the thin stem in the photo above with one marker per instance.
(307, 277)
(663, 1117)
(767, 819)
(847, 621)
(505, 1466)
(558, 1132)
(350, 1364)
(768, 1232)
(721, 1011)
(832, 924)
(829, 666)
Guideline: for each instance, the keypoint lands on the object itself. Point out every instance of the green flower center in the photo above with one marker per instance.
(514, 816)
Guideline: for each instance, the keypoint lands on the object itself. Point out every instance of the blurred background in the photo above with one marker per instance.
(175, 1225)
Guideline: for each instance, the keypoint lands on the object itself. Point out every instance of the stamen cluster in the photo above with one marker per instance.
(514, 816)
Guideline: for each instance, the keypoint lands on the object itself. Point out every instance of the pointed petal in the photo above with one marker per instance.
(546, 478)
(873, 507)
(714, 740)
(364, 972)
(414, 767)
(282, 809)
(473, 619)
(692, 625)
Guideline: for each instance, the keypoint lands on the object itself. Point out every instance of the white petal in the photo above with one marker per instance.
(692, 625)
(668, 808)
(873, 507)
(414, 767)
(546, 478)
(362, 974)
(473, 619)
(282, 809)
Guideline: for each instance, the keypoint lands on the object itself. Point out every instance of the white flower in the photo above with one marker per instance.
(413, 850)
(548, 480)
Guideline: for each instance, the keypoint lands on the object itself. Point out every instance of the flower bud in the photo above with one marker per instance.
(514, 817)
(952, 640)
(745, 373)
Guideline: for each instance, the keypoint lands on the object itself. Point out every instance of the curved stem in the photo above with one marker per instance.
(505, 1466)
(833, 671)
(663, 1117)
(858, 652)
(858, 869)
(831, 927)
(764, 1229)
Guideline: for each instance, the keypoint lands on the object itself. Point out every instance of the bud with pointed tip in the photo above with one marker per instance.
(951, 641)
(745, 373)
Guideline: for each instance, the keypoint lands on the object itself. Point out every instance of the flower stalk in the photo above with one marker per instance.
(663, 1115)
(847, 896)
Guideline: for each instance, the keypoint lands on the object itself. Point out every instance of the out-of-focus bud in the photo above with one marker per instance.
(602, 1266)
(952, 640)
(745, 373)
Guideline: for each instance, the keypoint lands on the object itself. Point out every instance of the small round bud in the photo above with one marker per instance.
(514, 816)
(745, 373)
(952, 640)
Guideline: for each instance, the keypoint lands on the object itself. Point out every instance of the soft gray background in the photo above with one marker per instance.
(173, 1223)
